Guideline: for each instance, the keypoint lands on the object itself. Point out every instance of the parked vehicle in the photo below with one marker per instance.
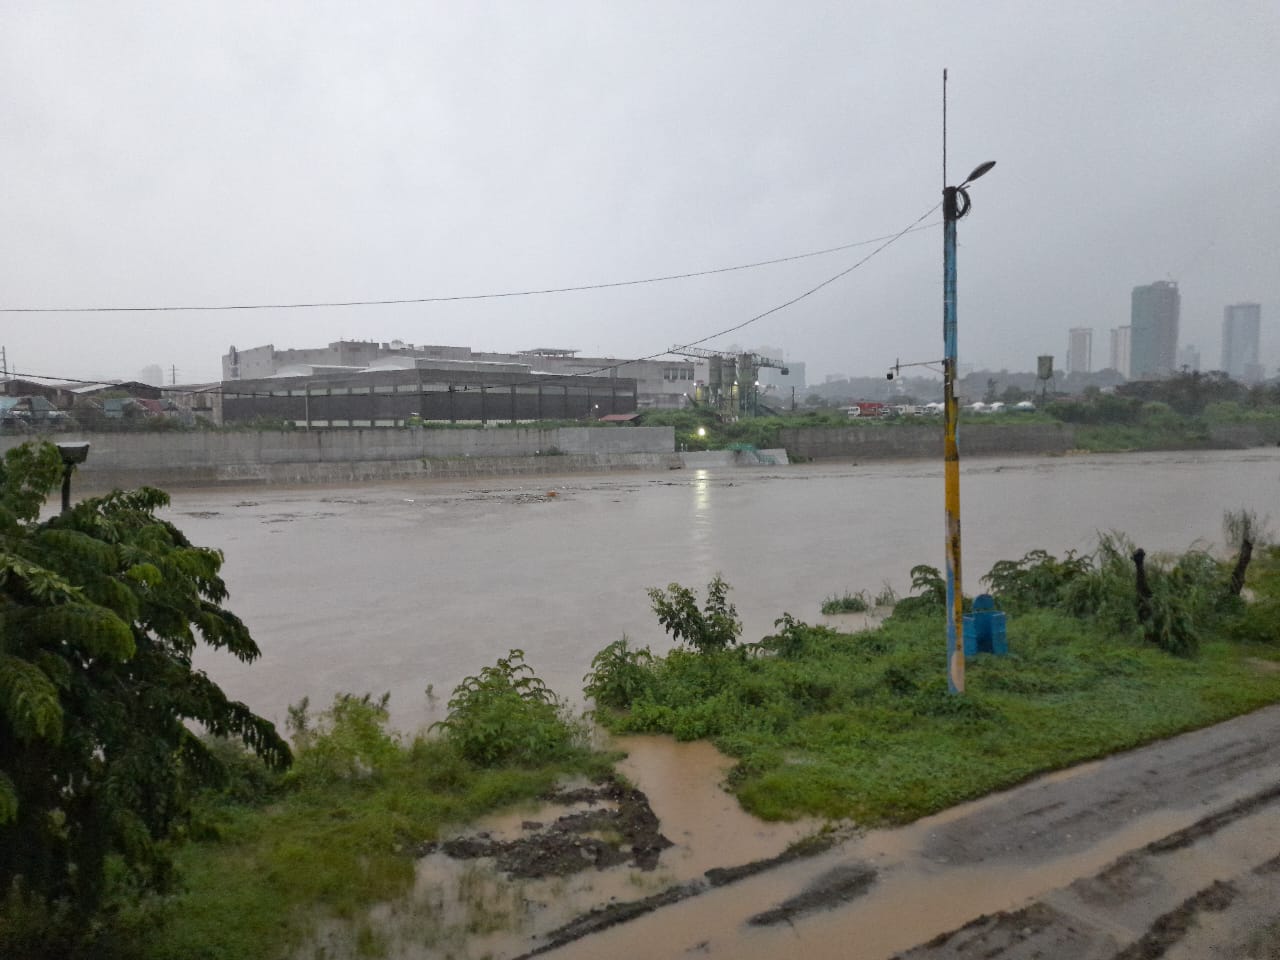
(869, 408)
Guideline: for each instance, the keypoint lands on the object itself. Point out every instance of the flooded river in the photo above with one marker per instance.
(400, 587)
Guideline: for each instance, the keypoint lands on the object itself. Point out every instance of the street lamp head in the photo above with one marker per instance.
(73, 453)
(981, 170)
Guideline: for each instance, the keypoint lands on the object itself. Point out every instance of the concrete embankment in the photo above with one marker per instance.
(368, 455)
(877, 441)
(347, 456)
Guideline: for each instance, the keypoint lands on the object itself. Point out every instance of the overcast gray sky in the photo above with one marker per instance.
(228, 152)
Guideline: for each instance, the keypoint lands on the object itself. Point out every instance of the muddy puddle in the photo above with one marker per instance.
(514, 883)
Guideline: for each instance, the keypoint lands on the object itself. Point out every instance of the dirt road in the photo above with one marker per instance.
(1170, 850)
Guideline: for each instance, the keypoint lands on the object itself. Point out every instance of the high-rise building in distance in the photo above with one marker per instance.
(1153, 338)
(1241, 325)
(1120, 349)
(1080, 350)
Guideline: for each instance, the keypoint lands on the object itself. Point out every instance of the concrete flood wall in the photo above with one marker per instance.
(914, 440)
(336, 456)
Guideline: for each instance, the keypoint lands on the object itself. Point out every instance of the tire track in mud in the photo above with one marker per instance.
(1116, 913)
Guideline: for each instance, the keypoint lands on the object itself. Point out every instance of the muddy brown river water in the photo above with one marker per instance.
(397, 587)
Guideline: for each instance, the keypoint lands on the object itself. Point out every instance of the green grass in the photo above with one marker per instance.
(861, 725)
(847, 603)
(324, 845)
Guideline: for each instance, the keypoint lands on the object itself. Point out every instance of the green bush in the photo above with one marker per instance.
(1037, 580)
(619, 675)
(932, 597)
(349, 742)
(506, 716)
(794, 638)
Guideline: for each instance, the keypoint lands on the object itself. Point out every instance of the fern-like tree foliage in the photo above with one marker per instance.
(101, 609)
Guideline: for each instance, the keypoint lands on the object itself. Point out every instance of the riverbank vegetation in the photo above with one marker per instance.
(279, 858)
(861, 725)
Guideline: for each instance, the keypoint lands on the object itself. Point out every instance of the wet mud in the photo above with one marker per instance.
(1174, 926)
(1115, 914)
(832, 889)
(617, 828)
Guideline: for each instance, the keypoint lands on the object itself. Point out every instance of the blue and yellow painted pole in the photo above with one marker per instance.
(955, 204)
(951, 446)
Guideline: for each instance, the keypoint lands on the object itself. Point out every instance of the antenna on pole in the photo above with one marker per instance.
(944, 128)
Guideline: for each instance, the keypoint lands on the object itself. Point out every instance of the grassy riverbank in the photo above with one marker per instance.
(862, 726)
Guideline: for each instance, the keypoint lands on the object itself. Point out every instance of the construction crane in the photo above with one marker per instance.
(731, 387)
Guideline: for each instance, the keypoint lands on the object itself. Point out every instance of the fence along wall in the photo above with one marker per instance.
(301, 456)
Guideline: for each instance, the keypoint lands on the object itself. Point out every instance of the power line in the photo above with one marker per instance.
(470, 296)
(888, 241)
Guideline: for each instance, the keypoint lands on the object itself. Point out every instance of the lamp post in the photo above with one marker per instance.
(72, 454)
(955, 204)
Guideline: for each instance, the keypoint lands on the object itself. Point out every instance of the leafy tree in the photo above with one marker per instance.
(101, 609)
(715, 627)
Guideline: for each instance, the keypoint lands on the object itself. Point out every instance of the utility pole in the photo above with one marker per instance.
(173, 374)
(955, 205)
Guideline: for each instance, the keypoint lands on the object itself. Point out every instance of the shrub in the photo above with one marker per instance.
(715, 627)
(1037, 580)
(349, 742)
(619, 675)
(794, 638)
(508, 716)
(932, 598)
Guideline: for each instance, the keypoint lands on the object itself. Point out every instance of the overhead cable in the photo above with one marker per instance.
(888, 241)
(461, 297)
